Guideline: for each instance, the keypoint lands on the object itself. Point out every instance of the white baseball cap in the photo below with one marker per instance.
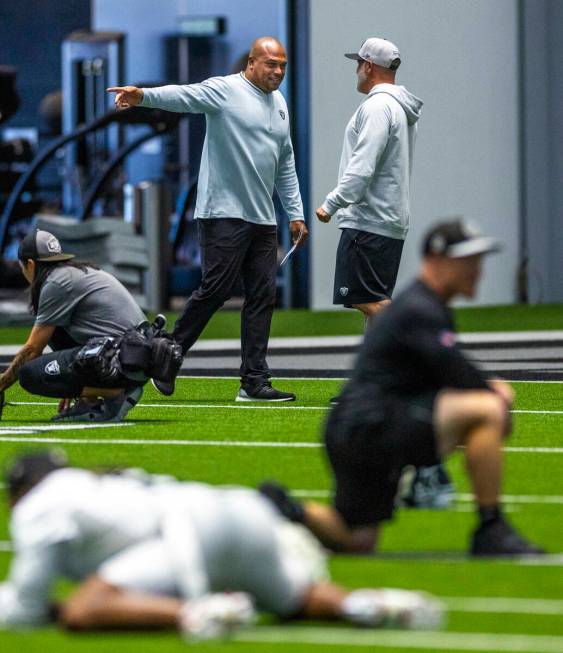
(457, 239)
(378, 51)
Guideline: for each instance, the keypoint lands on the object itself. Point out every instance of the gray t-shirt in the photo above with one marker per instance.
(87, 304)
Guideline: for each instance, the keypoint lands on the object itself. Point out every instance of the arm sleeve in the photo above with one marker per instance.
(39, 543)
(207, 97)
(373, 124)
(55, 305)
(24, 598)
(287, 183)
(434, 344)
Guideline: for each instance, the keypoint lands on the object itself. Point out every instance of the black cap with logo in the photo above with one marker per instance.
(40, 245)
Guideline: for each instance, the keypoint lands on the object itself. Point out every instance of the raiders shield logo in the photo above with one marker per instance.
(343, 291)
(54, 246)
(282, 114)
(53, 368)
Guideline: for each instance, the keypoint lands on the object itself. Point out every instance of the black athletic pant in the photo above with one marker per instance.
(231, 249)
(53, 374)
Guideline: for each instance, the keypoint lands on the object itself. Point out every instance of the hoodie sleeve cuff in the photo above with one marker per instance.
(329, 207)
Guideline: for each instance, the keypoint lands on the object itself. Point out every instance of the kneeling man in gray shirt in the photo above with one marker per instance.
(72, 303)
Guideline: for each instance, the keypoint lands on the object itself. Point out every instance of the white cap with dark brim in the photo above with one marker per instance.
(378, 51)
(457, 239)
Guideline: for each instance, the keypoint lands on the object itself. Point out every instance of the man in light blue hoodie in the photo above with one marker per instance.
(372, 195)
(246, 154)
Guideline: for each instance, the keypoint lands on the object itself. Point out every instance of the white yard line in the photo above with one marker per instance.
(499, 642)
(461, 497)
(533, 449)
(49, 428)
(5, 432)
(504, 605)
(66, 427)
(530, 381)
(179, 443)
(538, 412)
(253, 406)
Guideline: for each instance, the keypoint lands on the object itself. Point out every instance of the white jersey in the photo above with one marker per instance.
(75, 523)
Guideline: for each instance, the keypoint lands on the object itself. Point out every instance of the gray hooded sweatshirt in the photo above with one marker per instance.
(375, 167)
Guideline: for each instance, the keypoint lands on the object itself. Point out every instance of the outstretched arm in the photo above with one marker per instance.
(98, 605)
(24, 598)
(126, 96)
(36, 343)
(208, 97)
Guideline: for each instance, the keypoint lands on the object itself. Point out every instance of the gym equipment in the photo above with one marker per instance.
(92, 61)
(161, 122)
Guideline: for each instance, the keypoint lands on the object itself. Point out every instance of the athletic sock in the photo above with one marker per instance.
(489, 514)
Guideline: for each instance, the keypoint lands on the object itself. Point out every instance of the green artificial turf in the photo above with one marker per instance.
(291, 323)
(419, 549)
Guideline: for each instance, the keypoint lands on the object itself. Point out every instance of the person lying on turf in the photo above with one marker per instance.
(413, 397)
(153, 552)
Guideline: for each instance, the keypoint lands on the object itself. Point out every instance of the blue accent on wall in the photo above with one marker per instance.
(31, 32)
(299, 94)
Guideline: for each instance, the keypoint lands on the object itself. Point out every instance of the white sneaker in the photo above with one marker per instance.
(216, 615)
(393, 608)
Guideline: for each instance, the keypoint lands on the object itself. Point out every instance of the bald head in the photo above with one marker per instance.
(266, 64)
(267, 45)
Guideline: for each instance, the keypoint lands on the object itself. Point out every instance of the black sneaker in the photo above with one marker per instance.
(116, 408)
(165, 388)
(426, 487)
(263, 392)
(278, 495)
(81, 410)
(334, 401)
(499, 538)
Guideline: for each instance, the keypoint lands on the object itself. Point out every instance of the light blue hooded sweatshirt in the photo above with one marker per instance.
(376, 163)
(247, 149)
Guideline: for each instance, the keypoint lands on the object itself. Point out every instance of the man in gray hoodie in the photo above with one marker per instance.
(372, 201)
(372, 195)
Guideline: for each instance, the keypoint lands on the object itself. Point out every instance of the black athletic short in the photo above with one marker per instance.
(367, 458)
(366, 267)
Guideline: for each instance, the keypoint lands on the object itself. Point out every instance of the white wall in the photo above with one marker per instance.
(460, 57)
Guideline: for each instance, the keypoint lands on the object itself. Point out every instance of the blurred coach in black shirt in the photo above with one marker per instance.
(412, 398)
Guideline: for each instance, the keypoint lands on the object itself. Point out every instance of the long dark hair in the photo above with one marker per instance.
(43, 269)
